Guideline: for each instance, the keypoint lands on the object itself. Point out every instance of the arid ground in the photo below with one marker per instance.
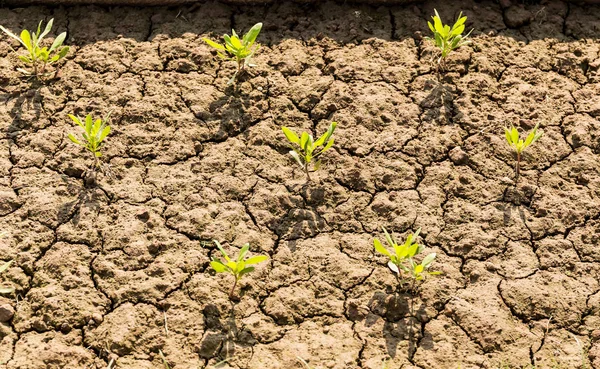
(121, 271)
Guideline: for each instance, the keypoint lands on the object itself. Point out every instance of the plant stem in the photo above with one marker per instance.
(233, 289)
(517, 168)
(307, 173)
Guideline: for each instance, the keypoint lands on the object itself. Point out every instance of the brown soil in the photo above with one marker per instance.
(121, 271)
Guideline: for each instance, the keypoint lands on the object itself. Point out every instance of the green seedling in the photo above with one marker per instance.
(308, 150)
(239, 267)
(447, 38)
(39, 57)
(4, 289)
(239, 50)
(402, 258)
(94, 133)
(519, 146)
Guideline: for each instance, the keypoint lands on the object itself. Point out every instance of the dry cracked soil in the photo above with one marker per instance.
(120, 272)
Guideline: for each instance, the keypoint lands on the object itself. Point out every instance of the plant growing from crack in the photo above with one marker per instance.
(5, 289)
(401, 260)
(519, 145)
(238, 267)
(309, 150)
(94, 135)
(39, 57)
(238, 49)
(446, 38)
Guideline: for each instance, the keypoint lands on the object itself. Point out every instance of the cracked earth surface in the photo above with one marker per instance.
(121, 272)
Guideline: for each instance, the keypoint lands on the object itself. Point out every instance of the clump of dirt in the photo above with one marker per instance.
(118, 272)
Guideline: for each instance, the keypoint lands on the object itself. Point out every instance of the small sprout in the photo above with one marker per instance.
(518, 145)
(164, 359)
(308, 151)
(240, 50)
(94, 133)
(448, 39)
(402, 258)
(4, 289)
(39, 57)
(238, 268)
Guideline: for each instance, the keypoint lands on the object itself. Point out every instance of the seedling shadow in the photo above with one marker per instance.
(401, 318)
(223, 336)
(86, 197)
(440, 100)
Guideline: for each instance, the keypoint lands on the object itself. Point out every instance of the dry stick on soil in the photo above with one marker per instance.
(308, 151)
(519, 146)
(238, 268)
(38, 54)
(238, 49)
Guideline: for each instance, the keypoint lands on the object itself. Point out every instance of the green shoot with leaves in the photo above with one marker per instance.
(448, 39)
(239, 267)
(94, 133)
(39, 57)
(519, 145)
(239, 50)
(4, 289)
(402, 258)
(308, 150)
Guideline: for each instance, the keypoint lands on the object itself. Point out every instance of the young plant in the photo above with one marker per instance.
(239, 267)
(308, 150)
(519, 146)
(448, 39)
(4, 289)
(240, 50)
(39, 57)
(94, 133)
(402, 258)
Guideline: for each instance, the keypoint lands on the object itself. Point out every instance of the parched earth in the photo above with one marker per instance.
(119, 272)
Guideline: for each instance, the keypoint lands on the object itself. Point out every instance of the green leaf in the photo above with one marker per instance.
(251, 36)
(75, 140)
(508, 135)
(46, 30)
(105, 133)
(245, 271)
(98, 154)
(236, 43)
(58, 41)
(379, 248)
(514, 135)
(428, 259)
(26, 37)
(290, 135)
(257, 259)
(76, 120)
(213, 44)
(12, 35)
(303, 140)
(243, 252)
(221, 250)
(88, 124)
(388, 238)
(25, 59)
(63, 52)
(218, 266)
(419, 269)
